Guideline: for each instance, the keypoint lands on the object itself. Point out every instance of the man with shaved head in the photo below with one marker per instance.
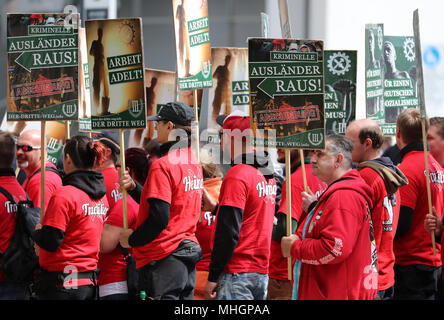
(385, 179)
(28, 156)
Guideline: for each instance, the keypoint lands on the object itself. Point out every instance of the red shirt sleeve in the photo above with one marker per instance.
(57, 214)
(159, 185)
(234, 192)
(409, 193)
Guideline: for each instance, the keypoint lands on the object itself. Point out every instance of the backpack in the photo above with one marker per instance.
(19, 261)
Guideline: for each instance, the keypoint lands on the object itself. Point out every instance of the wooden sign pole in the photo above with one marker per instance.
(288, 200)
(195, 125)
(42, 168)
(122, 168)
(429, 193)
(304, 175)
(423, 112)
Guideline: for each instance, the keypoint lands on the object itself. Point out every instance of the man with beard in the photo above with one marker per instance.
(28, 155)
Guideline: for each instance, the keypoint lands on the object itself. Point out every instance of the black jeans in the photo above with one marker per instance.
(50, 287)
(416, 282)
(173, 277)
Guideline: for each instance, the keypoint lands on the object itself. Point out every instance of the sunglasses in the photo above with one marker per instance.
(26, 148)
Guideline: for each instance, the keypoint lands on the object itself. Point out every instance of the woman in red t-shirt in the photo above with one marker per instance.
(68, 240)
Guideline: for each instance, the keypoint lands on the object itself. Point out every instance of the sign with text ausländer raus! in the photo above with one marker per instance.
(286, 93)
(42, 56)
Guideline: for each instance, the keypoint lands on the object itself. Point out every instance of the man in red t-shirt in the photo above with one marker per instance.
(417, 269)
(9, 289)
(164, 241)
(244, 220)
(385, 179)
(28, 157)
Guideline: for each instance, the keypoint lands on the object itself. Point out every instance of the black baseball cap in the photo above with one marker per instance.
(176, 112)
(109, 138)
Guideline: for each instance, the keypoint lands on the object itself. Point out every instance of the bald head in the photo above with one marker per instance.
(32, 135)
(367, 139)
(29, 161)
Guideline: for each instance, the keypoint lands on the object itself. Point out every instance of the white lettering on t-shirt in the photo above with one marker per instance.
(116, 195)
(10, 207)
(98, 210)
(266, 189)
(192, 183)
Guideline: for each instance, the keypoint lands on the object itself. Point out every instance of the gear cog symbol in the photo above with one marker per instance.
(409, 49)
(339, 63)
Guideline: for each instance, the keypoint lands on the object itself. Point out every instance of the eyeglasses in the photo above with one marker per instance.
(26, 148)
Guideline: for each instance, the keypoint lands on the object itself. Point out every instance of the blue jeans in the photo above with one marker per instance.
(242, 286)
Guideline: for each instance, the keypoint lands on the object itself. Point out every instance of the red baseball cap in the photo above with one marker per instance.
(237, 120)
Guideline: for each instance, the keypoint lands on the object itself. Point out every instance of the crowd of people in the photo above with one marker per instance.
(173, 225)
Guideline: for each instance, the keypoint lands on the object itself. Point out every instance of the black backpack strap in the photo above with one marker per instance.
(52, 169)
(7, 194)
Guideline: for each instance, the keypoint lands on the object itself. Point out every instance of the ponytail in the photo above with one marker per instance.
(84, 152)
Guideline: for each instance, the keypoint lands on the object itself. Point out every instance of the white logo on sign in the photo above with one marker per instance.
(206, 69)
(409, 49)
(69, 109)
(315, 138)
(339, 63)
(135, 107)
(54, 145)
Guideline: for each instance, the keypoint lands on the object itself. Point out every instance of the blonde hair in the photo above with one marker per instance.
(409, 125)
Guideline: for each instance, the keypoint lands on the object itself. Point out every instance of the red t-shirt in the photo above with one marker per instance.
(175, 178)
(246, 188)
(385, 218)
(81, 218)
(278, 264)
(112, 265)
(8, 211)
(111, 181)
(204, 230)
(33, 186)
(415, 247)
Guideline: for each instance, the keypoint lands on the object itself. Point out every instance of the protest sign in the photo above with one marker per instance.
(42, 61)
(193, 54)
(116, 73)
(374, 72)
(399, 79)
(287, 92)
(340, 89)
(159, 86)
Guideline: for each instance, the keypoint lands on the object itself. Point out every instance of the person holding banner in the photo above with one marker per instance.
(334, 247)
(113, 269)
(9, 289)
(385, 180)
(279, 287)
(164, 243)
(28, 156)
(241, 245)
(417, 269)
(68, 239)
